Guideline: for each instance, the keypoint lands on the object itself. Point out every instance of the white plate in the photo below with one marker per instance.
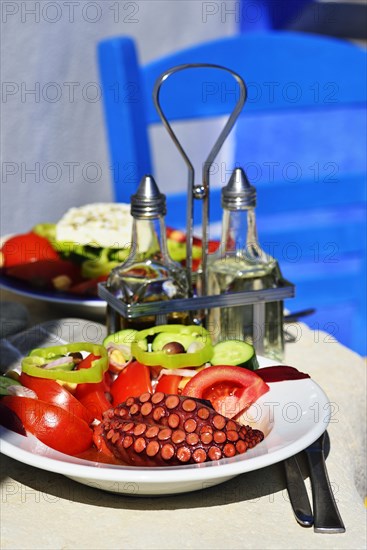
(292, 415)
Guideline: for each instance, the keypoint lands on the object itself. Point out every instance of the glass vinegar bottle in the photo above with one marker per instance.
(148, 274)
(240, 265)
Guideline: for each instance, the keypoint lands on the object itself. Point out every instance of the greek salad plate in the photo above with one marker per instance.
(292, 415)
(22, 288)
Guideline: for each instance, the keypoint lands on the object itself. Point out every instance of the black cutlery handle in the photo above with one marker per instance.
(326, 514)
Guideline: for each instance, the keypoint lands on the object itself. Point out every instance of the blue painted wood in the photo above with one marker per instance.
(301, 139)
(125, 117)
(328, 206)
(270, 64)
(256, 15)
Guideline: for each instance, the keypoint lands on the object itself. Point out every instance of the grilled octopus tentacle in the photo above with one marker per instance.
(161, 430)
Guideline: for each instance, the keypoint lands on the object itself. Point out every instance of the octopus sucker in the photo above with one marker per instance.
(163, 430)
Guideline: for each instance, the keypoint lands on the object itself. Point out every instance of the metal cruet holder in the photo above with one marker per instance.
(203, 302)
(200, 191)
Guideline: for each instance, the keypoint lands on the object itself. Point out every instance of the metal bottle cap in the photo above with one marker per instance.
(238, 194)
(148, 202)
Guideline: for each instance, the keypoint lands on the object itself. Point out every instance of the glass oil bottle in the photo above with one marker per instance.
(241, 265)
(148, 274)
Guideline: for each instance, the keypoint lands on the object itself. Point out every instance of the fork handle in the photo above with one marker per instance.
(326, 514)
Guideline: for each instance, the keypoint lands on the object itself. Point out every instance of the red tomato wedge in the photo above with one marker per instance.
(168, 383)
(96, 402)
(131, 382)
(54, 426)
(103, 386)
(25, 249)
(51, 392)
(93, 395)
(230, 389)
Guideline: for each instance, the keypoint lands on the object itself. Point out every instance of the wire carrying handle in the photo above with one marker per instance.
(199, 191)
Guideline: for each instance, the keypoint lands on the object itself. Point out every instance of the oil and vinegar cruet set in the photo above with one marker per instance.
(238, 290)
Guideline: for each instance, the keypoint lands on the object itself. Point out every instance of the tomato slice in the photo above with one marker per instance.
(51, 392)
(96, 402)
(230, 389)
(131, 382)
(25, 249)
(180, 237)
(93, 394)
(168, 383)
(54, 426)
(103, 386)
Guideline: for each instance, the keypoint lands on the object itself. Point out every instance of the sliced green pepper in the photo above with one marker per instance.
(32, 364)
(47, 230)
(177, 333)
(125, 337)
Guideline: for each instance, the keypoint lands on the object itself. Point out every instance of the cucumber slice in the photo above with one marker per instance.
(236, 353)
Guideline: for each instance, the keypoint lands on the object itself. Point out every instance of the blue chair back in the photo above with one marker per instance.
(259, 15)
(301, 138)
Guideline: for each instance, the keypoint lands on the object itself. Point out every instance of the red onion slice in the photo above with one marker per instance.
(119, 366)
(67, 360)
(21, 391)
(125, 349)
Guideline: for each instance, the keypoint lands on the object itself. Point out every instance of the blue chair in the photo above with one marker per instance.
(301, 139)
(261, 15)
(338, 19)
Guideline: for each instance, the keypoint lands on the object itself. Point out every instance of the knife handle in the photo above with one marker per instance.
(326, 514)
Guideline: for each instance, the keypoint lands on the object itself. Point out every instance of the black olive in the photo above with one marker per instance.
(171, 348)
(77, 357)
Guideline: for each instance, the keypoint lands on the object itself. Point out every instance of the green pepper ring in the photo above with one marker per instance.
(93, 374)
(178, 360)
